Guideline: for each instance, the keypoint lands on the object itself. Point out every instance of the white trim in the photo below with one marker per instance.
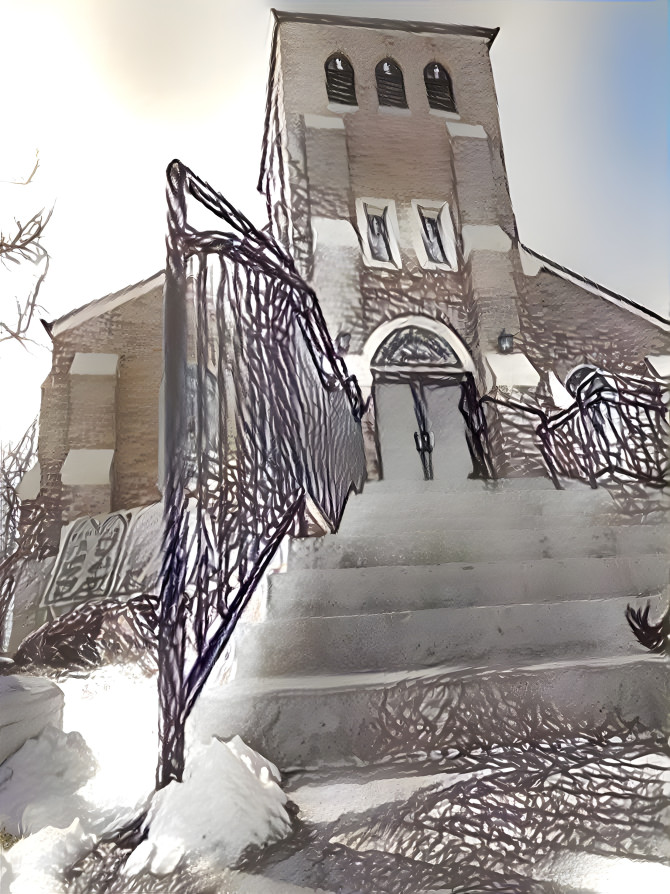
(105, 304)
(91, 364)
(395, 110)
(29, 485)
(383, 331)
(87, 467)
(484, 237)
(393, 231)
(659, 364)
(341, 108)
(323, 122)
(328, 231)
(559, 393)
(512, 370)
(530, 265)
(446, 227)
(471, 131)
(450, 116)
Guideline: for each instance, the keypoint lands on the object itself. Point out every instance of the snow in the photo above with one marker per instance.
(229, 799)
(35, 864)
(64, 790)
(39, 783)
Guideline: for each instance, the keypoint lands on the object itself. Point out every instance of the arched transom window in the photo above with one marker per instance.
(414, 347)
(438, 88)
(390, 84)
(340, 83)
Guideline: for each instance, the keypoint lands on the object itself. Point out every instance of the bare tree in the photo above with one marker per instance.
(15, 461)
(21, 246)
(24, 245)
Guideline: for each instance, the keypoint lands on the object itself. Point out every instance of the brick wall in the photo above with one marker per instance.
(76, 411)
(563, 326)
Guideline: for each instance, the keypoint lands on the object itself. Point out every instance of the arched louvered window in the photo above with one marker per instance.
(390, 84)
(340, 80)
(438, 88)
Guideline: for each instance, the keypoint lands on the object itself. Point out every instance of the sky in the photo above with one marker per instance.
(109, 91)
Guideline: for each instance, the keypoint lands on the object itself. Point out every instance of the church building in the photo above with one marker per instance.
(384, 173)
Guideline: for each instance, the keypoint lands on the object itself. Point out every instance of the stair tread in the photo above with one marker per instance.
(329, 592)
(248, 686)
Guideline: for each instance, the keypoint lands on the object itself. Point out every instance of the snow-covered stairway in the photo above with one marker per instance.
(439, 621)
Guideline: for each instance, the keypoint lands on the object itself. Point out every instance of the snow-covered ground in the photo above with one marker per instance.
(65, 790)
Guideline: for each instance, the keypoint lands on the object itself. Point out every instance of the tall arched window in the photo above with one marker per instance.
(438, 88)
(340, 80)
(390, 84)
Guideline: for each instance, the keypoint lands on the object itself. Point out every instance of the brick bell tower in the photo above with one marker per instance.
(384, 172)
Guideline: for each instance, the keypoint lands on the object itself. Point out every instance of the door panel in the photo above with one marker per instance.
(451, 457)
(396, 424)
(396, 413)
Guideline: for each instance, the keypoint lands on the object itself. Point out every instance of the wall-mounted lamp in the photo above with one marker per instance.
(505, 342)
(342, 342)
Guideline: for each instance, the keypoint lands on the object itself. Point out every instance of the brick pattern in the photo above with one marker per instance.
(563, 325)
(77, 411)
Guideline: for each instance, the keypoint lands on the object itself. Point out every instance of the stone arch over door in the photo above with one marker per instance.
(382, 333)
(416, 366)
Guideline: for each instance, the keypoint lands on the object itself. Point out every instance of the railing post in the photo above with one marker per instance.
(171, 631)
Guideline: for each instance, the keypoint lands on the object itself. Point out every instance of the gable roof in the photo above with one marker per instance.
(596, 289)
(103, 305)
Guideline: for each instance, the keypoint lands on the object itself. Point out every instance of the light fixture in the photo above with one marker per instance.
(342, 342)
(505, 342)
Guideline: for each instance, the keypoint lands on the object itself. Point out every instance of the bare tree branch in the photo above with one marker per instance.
(15, 461)
(25, 313)
(24, 244)
(31, 175)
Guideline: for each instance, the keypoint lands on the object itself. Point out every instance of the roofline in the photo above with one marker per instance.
(102, 305)
(488, 34)
(596, 289)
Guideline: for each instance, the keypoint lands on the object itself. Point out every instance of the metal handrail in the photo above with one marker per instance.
(582, 441)
(277, 420)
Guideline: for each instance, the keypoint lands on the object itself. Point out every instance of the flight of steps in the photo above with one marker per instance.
(503, 600)
(437, 628)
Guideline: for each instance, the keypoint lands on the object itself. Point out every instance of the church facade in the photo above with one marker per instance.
(384, 172)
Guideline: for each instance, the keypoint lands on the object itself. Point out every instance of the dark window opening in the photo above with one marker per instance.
(378, 234)
(390, 84)
(432, 237)
(340, 81)
(438, 88)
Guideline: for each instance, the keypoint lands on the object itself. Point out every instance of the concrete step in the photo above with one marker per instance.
(398, 515)
(527, 485)
(311, 722)
(390, 500)
(477, 545)
(344, 591)
(502, 635)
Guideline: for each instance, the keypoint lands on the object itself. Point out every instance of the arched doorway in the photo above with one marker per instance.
(417, 371)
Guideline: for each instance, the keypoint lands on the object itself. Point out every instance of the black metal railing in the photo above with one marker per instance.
(616, 430)
(271, 419)
(476, 429)
(516, 435)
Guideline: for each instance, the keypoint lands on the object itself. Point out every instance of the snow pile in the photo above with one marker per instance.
(229, 799)
(35, 864)
(64, 791)
(39, 782)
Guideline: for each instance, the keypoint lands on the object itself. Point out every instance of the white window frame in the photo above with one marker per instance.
(393, 231)
(446, 230)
